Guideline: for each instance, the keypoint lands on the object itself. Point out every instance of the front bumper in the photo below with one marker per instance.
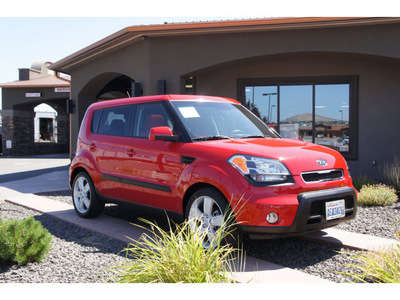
(310, 215)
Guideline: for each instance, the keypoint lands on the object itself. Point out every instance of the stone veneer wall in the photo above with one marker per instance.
(18, 126)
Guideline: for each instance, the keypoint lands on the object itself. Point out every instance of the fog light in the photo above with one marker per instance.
(272, 218)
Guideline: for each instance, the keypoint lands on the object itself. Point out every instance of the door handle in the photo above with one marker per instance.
(131, 152)
(92, 147)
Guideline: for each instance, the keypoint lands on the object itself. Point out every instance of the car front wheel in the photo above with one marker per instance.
(207, 213)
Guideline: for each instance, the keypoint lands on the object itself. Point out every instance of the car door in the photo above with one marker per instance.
(109, 149)
(154, 167)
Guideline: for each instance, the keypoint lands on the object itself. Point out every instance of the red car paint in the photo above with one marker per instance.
(165, 173)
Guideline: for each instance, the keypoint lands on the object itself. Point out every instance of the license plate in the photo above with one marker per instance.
(335, 209)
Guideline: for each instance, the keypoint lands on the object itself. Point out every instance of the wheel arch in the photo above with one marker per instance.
(195, 187)
(75, 172)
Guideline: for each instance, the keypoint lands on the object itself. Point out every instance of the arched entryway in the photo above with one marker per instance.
(106, 86)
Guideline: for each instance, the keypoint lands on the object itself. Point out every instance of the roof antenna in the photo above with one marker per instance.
(128, 94)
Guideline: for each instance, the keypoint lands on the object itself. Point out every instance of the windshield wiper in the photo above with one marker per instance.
(252, 137)
(210, 138)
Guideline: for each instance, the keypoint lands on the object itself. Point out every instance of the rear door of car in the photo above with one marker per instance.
(109, 148)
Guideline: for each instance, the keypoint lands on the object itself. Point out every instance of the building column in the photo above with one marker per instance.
(63, 130)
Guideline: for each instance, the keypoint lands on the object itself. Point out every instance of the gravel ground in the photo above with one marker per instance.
(81, 256)
(377, 221)
(76, 256)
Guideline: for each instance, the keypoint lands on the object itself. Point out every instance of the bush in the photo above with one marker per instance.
(360, 181)
(175, 256)
(23, 241)
(391, 173)
(377, 195)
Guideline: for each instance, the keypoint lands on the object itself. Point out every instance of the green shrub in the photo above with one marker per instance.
(175, 256)
(377, 195)
(360, 181)
(23, 241)
(391, 173)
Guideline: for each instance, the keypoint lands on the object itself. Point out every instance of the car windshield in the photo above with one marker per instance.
(206, 120)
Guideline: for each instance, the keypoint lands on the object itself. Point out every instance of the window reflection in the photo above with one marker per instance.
(296, 118)
(317, 113)
(332, 116)
(263, 102)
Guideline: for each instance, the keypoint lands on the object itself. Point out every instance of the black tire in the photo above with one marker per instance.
(207, 219)
(84, 197)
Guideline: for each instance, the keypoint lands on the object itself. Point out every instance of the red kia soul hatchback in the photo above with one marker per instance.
(198, 156)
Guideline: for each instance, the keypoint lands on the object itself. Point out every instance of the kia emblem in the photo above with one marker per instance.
(322, 162)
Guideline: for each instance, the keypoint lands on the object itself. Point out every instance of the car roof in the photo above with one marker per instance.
(169, 97)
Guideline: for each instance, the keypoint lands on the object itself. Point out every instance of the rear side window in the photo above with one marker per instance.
(112, 121)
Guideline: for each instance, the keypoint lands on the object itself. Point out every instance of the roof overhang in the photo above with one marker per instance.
(134, 34)
(41, 82)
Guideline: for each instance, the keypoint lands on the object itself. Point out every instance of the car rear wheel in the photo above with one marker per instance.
(84, 197)
(206, 213)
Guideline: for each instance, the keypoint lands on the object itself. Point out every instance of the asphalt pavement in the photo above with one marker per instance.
(35, 174)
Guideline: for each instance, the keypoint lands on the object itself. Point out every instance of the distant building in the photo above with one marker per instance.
(26, 132)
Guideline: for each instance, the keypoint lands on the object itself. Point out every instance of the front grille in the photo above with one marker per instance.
(326, 175)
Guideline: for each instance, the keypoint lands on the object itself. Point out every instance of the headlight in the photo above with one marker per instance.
(260, 169)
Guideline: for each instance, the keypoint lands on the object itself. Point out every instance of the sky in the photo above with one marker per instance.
(51, 30)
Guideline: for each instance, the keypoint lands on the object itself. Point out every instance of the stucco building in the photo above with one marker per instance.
(332, 81)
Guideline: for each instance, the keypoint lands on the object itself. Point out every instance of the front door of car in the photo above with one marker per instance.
(154, 167)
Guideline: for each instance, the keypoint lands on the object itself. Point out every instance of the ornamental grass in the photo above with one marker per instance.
(377, 267)
(176, 256)
(377, 195)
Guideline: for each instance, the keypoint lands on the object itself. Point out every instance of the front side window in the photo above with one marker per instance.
(318, 110)
(149, 115)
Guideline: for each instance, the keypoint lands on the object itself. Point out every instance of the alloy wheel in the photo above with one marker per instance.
(206, 217)
(82, 194)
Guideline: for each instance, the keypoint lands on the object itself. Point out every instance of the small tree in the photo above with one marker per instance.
(23, 241)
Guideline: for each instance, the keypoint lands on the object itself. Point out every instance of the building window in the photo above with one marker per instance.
(317, 110)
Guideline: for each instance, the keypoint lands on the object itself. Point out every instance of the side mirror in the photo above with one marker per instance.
(162, 133)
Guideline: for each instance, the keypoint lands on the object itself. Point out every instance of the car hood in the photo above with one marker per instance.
(298, 156)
